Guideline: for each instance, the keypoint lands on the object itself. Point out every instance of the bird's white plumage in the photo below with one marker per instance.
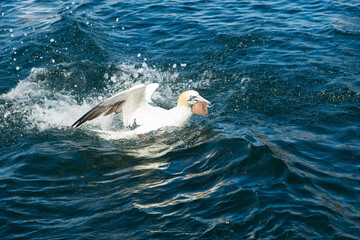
(138, 109)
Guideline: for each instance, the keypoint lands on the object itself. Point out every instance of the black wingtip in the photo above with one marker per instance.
(97, 111)
(75, 125)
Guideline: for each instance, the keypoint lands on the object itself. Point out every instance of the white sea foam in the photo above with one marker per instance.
(42, 108)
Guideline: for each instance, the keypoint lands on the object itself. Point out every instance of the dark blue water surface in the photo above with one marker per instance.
(277, 158)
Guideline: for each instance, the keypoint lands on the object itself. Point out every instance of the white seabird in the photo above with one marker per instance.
(138, 109)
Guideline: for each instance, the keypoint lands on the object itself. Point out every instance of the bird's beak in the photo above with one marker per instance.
(201, 99)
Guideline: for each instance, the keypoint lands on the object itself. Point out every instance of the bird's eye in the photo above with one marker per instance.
(192, 97)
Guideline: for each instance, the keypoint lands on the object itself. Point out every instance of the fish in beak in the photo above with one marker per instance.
(201, 106)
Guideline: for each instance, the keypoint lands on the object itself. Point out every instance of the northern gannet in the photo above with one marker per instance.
(138, 109)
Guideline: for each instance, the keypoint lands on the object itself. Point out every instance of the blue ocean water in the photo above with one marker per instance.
(277, 158)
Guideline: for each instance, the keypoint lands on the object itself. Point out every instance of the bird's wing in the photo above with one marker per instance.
(126, 101)
(136, 100)
(150, 89)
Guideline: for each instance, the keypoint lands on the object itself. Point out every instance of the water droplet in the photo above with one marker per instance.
(53, 60)
(183, 64)
(117, 19)
(174, 65)
(17, 68)
(139, 55)
(52, 40)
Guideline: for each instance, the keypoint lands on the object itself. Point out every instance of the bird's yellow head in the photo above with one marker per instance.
(193, 99)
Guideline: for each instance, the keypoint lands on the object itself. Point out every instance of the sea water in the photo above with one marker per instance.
(277, 157)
